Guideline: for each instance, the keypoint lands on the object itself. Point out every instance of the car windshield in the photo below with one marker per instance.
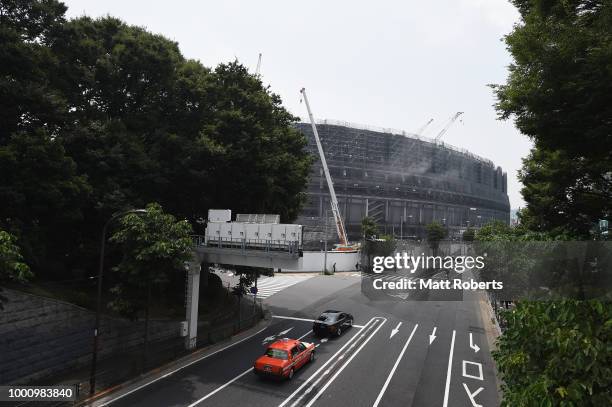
(276, 353)
(328, 317)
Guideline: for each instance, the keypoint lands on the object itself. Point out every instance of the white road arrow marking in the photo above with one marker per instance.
(284, 332)
(472, 395)
(395, 330)
(473, 345)
(432, 337)
(268, 339)
(324, 340)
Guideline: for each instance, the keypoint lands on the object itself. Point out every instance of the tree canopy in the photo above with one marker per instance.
(559, 93)
(99, 116)
(435, 233)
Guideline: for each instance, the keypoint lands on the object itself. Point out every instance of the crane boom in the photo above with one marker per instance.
(258, 65)
(445, 129)
(419, 132)
(334, 201)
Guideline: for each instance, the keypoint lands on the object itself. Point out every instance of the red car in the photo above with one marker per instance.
(283, 358)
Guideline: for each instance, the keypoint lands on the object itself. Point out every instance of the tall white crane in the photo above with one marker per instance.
(420, 131)
(334, 201)
(448, 124)
(258, 65)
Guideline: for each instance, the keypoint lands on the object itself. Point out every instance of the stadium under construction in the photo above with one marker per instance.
(401, 180)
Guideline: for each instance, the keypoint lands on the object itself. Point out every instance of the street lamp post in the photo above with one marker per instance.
(325, 244)
(94, 355)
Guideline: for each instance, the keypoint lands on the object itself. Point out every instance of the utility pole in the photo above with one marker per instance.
(325, 244)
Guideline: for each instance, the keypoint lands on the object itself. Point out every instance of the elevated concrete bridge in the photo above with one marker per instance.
(239, 252)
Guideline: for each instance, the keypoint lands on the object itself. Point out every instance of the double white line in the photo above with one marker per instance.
(334, 360)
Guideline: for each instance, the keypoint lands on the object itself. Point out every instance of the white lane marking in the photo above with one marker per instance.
(345, 365)
(285, 331)
(269, 286)
(288, 399)
(180, 368)
(473, 395)
(464, 370)
(384, 388)
(395, 330)
(218, 389)
(473, 345)
(223, 386)
(329, 369)
(432, 337)
(293, 318)
(448, 372)
(309, 320)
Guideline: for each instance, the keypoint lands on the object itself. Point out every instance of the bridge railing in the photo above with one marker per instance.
(292, 247)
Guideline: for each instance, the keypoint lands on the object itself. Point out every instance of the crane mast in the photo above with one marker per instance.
(334, 201)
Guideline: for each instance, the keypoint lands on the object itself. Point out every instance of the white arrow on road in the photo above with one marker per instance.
(284, 332)
(268, 339)
(432, 337)
(395, 330)
(473, 345)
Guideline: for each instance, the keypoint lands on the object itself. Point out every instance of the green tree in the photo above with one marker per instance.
(155, 246)
(42, 196)
(369, 228)
(100, 115)
(12, 267)
(559, 92)
(468, 235)
(28, 100)
(557, 354)
(435, 233)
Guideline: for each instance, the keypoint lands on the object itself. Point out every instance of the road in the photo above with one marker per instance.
(399, 353)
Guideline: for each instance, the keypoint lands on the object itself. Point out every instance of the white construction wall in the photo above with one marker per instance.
(313, 262)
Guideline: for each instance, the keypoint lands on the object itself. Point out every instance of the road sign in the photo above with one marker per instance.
(253, 290)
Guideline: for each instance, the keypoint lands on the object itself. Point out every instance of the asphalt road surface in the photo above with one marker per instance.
(400, 353)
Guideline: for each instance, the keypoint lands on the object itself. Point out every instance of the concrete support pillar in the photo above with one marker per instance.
(191, 303)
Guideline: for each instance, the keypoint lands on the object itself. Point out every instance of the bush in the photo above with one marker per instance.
(557, 354)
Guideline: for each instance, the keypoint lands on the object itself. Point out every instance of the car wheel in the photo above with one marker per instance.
(339, 331)
(290, 374)
(312, 357)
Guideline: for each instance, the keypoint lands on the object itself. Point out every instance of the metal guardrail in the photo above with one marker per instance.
(291, 247)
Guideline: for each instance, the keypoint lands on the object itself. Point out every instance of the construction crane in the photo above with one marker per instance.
(344, 245)
(258, 65)
(448, 124)
(420, 131)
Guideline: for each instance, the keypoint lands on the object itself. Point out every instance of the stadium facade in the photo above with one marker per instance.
(401, 180)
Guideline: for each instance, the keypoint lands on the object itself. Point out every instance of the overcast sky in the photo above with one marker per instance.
(383, 63)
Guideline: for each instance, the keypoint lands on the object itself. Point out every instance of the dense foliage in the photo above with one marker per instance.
(98, 116)
(12, 267)
(557, 354)
(154, 246)
(560, 94)
(369, 228)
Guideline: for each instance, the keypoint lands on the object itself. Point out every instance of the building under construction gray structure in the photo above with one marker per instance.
(402, 181)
